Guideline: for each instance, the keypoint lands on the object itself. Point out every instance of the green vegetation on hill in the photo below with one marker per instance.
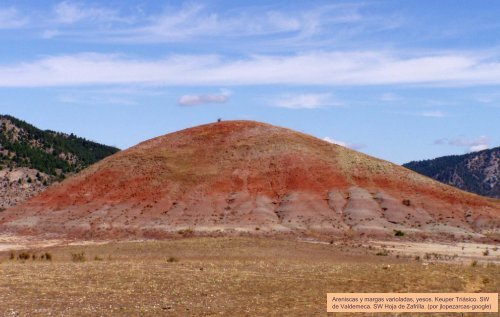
(476, 172)
(53, 153)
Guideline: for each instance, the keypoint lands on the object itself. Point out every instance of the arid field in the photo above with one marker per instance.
(223, 277)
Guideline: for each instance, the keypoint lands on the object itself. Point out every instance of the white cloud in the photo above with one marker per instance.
(195, 100)
(491, 99)
(478, 147)
(388, 97)
(108, 95)
(352, 146)
(10, 18)
(84, 99)
(48, 34)
(189, 22)
(433, 114)
(439, 103)
(193, 21)
(330, 140)
(70, 12)
(472, 145)
(303, 101)
(314, 68)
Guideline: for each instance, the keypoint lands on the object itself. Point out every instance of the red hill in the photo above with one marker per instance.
(253, 177)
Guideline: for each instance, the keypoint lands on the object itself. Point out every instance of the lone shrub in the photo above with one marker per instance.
(384, 252)
(399, 233)
(172, 259)
(186, 232)
(23, 256)
(78, 257)
(46, 256)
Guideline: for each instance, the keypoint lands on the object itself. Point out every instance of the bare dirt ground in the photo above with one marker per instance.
(12, 242)
(220, 277)
(462, 252)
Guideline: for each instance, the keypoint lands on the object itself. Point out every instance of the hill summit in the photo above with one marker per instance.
(244, 176)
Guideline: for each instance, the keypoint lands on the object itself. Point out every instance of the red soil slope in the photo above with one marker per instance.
(253, 177)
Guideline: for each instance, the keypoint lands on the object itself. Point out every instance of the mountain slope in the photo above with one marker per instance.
(243, 176)
(32, 159)
(477, 172)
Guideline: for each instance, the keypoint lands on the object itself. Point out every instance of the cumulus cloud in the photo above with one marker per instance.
(303, 101)
(313, 68)
(195, 100)
(472, 145)
(352, 146)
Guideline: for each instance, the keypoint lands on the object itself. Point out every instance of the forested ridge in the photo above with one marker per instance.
(50, 152)
(476, 172)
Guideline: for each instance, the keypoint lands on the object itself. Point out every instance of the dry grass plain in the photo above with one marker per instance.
(219, 277)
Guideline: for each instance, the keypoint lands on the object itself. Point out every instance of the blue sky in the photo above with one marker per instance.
(399, 80)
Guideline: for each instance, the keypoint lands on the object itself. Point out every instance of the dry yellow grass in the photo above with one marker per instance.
(217, 277)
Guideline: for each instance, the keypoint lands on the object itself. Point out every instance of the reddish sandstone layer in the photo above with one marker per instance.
(243, 175)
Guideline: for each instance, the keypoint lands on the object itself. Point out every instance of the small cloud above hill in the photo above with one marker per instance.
(352, 146)
(474, 145)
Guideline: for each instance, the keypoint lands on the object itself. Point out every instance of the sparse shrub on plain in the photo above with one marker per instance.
(12, 255)
(486, 252)
(23, 256)
(78, 257)
(98, 258)
(399, 233)
(384, 252)
(46, 256)
(186, 232)
(473, 263)
(172, 259)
